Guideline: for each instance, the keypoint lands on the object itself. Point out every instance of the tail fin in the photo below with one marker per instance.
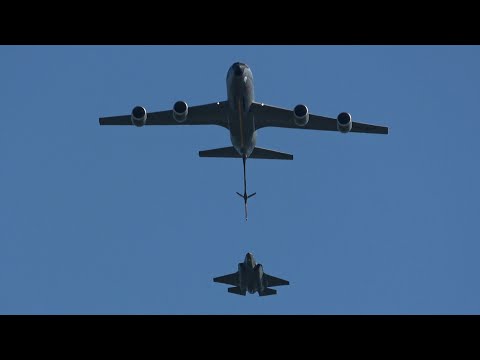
(260, 153)
(237, 290)
(226, 152)
(267, 291)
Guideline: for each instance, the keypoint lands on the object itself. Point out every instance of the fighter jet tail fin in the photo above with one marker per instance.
(237, 290)
(267, 292)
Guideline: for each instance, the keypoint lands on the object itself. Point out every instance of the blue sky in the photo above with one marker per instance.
(125, 220)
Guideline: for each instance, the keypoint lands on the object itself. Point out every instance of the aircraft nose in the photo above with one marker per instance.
(237, 69)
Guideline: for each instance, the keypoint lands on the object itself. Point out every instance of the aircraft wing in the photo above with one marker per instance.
(267, 115)
(230, 279)
(209, 114)
(269, 280)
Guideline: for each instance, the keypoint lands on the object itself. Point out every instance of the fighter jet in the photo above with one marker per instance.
(250, 277)
(243, 116)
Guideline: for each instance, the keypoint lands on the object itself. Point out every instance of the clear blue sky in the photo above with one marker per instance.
(125, 220)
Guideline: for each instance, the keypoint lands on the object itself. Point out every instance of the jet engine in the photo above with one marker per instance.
(300, 115)
(180, 111)
(344, 122)
(139, 116)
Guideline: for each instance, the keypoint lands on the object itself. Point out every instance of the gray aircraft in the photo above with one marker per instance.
(250, 277)
(243, 116)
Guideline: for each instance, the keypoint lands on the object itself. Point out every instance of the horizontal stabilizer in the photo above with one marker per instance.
(257, 153)
(237, 290)
(267, 291)
(226, 152)
(260, 153)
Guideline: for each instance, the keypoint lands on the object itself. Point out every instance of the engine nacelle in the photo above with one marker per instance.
(139, 116)
(300, 115)
(344, 122)
(180, 111)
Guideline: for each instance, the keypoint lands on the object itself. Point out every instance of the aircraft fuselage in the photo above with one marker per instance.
(250, 275)
(240, 96)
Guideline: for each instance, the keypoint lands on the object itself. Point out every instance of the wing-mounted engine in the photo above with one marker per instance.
(344, 122)
(180, 111)
(300, 115)
(139, 116)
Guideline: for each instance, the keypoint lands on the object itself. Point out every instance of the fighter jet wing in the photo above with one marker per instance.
(267, 115)
(209, 114)
(230, 279)
(269, 280)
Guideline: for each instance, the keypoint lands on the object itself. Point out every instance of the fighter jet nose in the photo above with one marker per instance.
(237, 69)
